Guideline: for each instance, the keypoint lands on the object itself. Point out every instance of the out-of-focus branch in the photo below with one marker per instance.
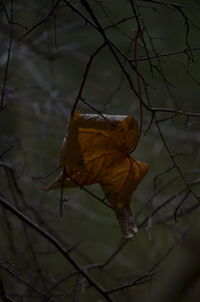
(3, 295)
(8, 56)
(183, 273)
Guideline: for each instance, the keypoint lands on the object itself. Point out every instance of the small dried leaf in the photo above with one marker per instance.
(96, 150)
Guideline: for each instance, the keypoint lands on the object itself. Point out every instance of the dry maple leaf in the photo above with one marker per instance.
(96, 150)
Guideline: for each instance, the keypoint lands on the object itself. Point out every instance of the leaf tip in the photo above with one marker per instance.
(126, 222)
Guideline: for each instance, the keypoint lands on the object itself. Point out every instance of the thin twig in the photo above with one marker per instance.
(42, 21)
(4, 203)
(88, 66)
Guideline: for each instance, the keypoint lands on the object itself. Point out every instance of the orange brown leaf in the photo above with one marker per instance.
(96, 150)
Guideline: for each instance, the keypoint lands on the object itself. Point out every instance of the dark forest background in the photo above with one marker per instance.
(138, 58)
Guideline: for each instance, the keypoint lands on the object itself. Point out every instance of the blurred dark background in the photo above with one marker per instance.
(45, 48)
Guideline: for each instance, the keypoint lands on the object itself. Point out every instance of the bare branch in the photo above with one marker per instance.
(4, 203)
